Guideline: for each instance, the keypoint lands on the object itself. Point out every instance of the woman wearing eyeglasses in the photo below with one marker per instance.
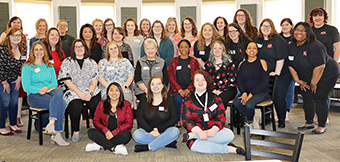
(12, 56)
(244, 20)
(273, 49)
(66, 39)
(109, 25)
(164, 43)
(188, 31)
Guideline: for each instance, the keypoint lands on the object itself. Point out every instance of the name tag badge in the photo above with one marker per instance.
(232, 52)
(291, 58)
(161, 108)
(23, 58)
(259, 45)
(213, 107)
(110, 68)
(178, 67)
(51, 61)
(37, 70)
(146, 68)
(202, 52)
(205, 117)
(157, 67)
(136, 40)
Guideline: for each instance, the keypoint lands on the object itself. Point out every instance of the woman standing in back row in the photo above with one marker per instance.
(244, 20)
(188, 31)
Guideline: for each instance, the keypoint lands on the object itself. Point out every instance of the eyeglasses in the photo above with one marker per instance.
(240, 15)
(78, 47)
(266, 26)
(300, 30)
(62, 25)
(108, 24)
(15, 35)
(187, 24)
(233, 31)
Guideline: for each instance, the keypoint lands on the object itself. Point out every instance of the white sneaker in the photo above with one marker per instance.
(92, 147)
(121, 149)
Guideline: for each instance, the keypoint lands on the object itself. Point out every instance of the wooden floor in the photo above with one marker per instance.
(17, 148)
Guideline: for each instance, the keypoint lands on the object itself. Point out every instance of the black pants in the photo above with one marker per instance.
(99, 137)
(318, 102)
(75, 106)
(228, 95)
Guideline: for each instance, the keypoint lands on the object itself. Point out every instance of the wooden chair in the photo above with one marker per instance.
(266, 107)
(36, 113)
(274, 143)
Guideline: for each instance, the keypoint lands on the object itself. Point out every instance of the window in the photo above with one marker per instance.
(212, 10)
(277, 10)
(29, 17)
(90, 11)
(157, 12)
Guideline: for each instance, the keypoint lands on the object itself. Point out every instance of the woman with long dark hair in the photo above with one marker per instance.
(87, 34)
(236, 43)
(157, 118)
(244, 20)
(113, 121)
(221, 25)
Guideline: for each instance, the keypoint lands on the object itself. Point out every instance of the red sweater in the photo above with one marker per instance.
(174, 86)
(124, 118)
(56, 62)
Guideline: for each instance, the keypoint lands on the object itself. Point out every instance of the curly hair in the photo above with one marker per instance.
(200, 40)
(250, 29)
(207, 77)
(225, 30)
(136, 32)
(194, 27)
(318, 11)
(46, 58)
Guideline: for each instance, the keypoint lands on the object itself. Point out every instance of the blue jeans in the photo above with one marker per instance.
(8, 105)
(280, 98)
(248, 110)
(290, 95)
(143, 137)
(217, 144)
(179, 100)
(54, 102)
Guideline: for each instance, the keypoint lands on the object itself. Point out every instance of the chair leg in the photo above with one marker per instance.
(40, 128)
(29, 126)
(263, 118)
(273, 119)
(238, 122)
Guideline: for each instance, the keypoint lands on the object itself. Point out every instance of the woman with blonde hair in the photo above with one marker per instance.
(202, 47)
(171, 27)
(41, 28)
(115, 68)
(98, 25)
(188, 31)
(66, 39)
(40, 83)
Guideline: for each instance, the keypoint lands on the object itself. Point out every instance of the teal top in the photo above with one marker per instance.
(36, 77)
(165, 50)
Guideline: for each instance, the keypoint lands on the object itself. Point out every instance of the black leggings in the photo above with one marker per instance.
(228, 95)
(75, 106)
(318, 102)
(99, 137)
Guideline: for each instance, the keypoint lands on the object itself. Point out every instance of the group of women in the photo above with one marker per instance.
(109, 65)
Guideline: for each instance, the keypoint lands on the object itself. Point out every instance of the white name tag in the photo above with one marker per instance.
(259, 45)
(178, 67)
(157, 67)
(205, 117)
(213, 107)
(37, 70)
(161, 108)
(51, 61)
(146, 68)
(136, 40)
(232, 52)
(291, 58)
(202, 52)
(23, 57)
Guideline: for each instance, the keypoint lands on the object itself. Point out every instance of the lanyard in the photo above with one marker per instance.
(206, 101)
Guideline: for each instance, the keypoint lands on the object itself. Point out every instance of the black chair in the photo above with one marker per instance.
(35, 113)
(273, 145)
(266, 107)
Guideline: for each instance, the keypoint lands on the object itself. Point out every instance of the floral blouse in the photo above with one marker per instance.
(81, 78)
(115, 71)
(178, 38)
(224, 78)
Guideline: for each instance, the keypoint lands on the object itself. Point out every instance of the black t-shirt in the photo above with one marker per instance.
(112, 122)
(271, 51)
(80, 62)
(204, 55)
(183, 72)
(287, 39)
(306, 57)
(237, 54)
(67, 41)
(327, 35)
(96, 53)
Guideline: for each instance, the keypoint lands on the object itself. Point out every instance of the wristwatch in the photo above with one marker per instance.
(91, 93)
(125, 86)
